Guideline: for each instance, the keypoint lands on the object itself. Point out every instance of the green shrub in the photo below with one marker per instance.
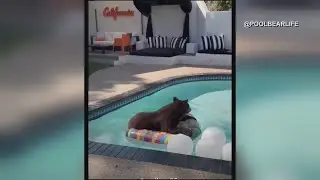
(219, 5)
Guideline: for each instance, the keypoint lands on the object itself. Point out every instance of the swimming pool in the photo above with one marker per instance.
(210, 103)
(55, 155)
(277, 122)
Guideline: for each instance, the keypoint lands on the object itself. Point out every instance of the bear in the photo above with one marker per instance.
(165, 119)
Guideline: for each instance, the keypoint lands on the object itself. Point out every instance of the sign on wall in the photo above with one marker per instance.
(115, 13)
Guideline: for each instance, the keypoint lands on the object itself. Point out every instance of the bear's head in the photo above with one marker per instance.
(182, 105)
(180, 108)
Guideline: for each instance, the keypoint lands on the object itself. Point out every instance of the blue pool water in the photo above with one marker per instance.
(277, 122)
(57, 155)
(210, 103)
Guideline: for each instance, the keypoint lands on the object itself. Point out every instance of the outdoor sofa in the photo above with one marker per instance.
(212, 51)
(161, 46)
(215, 50)
(189, 54)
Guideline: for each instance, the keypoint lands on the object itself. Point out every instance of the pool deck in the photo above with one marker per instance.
(115, 161)
(109, 84)
(115, 168)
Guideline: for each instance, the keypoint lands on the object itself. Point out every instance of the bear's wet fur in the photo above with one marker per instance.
(165, 119)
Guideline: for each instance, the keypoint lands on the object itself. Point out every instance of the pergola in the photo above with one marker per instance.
(144, 6)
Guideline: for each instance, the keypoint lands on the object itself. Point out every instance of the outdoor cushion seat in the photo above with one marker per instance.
(211, 51)
(103, 43)
(158, 52)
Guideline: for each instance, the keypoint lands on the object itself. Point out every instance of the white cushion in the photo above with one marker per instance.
(117, 34)
(103, 43)
(141, 44)
(109, 36)
(213, 41)
(100, 35)
(227, 39)
(135, 34)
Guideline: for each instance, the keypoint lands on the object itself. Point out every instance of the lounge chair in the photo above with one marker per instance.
(114, 40)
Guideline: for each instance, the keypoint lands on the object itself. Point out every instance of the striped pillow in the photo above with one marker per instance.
(178, 42)
(157, 42)
(213, 42)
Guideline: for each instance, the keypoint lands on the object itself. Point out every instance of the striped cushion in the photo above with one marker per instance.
(157, 42)
(178, 42)
(213, 42)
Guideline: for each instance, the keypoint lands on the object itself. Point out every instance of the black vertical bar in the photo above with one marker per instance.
(149, 32)
(141, 19)
(96, 19)
(86, 67)
(233, 125)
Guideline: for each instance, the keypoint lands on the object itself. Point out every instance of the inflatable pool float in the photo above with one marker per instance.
(154, 137)
(188, 125)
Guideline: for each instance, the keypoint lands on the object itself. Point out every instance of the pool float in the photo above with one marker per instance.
(154, 137)
(188, 125)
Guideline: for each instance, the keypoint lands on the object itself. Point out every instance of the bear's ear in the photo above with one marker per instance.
(175, 99)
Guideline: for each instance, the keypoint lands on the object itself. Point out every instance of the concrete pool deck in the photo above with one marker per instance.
(119, 80)
(102, 167)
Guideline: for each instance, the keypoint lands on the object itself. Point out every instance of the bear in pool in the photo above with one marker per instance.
(166, 119)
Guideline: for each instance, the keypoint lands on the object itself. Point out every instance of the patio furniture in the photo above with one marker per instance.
(191, 48)
(104, 40)
(161, 51)
(215, 44)
(158, 52)
(213, 50)
(143, 48)
(123, 42)
(126, 41)
(210, 51)
(157, 49)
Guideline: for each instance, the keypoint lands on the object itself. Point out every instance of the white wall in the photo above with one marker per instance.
(108, 24)
(200, 20)
(193, 22)
(167, 20)
(220, 22)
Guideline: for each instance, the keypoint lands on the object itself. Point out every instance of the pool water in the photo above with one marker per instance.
(277, 123)
(210, 103)
(58, 155)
